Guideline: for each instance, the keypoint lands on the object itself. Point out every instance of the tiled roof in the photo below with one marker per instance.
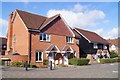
(53, 48)
(3, 40)
(113, 41)
(31, 20)
(34, 21)
(67, 48)
(37, 22)
(91, 36)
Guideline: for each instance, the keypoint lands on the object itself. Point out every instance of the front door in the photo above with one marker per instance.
(65, 56)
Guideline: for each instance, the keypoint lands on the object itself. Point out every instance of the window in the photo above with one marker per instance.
(104, 46)
(69, 39)
(95, 46)
(39, 56)
(14, 38)
(44, 37)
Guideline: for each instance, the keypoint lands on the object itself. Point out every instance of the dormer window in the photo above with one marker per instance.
(44, 37)
(69, 39)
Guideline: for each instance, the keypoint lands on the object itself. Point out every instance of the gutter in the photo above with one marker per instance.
(30, 49)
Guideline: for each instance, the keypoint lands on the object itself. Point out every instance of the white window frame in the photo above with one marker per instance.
(104, 46)
(47, 35)
(38, 56)
(14, 38)
(69, 39)
(95, 46)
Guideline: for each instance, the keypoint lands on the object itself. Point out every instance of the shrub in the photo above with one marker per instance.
(83, 61)
(17, 64)
(32, 65)
(103, 61)
(80, 61)
(45, 62)
(113, 54)
(73, 61)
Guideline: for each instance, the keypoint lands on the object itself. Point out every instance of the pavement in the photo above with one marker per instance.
(88, 71)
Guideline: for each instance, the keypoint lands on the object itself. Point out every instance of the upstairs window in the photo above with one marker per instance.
(14, 38)
(44, 37)
(95, 46)
(69, 39)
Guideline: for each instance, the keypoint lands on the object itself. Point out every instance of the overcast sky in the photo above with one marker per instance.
(99, 17)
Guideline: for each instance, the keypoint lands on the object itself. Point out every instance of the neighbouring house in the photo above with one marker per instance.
(36, 38)
(90, 43)
(114, 45)
(3, 45)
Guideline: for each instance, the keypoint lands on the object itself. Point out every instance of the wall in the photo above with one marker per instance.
(22, 37)
(59, 41)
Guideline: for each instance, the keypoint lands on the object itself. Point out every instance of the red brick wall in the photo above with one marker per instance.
(17, 58)
(59, 41)
(22, 37)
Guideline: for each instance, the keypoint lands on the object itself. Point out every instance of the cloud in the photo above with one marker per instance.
(3, 27)
(110, 34)
(106, 21)
(79, 19)
(79, 7)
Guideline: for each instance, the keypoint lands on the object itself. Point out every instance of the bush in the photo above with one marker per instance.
(22, 64)
(32, 65)
(45, 62)
(113, 54)
(73, 61)
(80, 61)
(103, 61)
(83, 61)
(17, 64)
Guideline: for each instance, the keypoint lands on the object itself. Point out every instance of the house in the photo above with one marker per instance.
(3, 45)
(90, 43)
(114, 45)
(36, 38)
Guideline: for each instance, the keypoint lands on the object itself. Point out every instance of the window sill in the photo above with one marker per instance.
(39, 61)
(44, 41)
(69, 43)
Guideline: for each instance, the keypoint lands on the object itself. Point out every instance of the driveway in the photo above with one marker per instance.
(89, 71)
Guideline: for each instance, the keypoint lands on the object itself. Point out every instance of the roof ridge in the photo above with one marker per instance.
(30, 13)
(85, 30)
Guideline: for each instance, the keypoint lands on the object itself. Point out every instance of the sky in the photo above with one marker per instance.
(99, 17)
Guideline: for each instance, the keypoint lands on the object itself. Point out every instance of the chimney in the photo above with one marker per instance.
(10, 32)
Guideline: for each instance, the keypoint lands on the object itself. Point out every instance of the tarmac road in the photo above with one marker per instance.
(89, 71)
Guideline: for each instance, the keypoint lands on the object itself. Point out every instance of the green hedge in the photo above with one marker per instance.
(113, 54)
(73, 61)
(17, 64)
(22, 64)
(83, 61)
(79, 62)
(103, 61)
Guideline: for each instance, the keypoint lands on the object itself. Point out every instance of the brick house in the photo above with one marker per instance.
(90, 42)
(3, 45)
(114, 45)
(36, 38)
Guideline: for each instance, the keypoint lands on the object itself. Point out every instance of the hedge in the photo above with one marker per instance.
(17, 64)
(103, 61)
(83, 61)
(79, 62)
(113, 54)
(22, 64)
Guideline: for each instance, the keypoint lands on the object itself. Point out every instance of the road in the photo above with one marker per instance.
(89, 71)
